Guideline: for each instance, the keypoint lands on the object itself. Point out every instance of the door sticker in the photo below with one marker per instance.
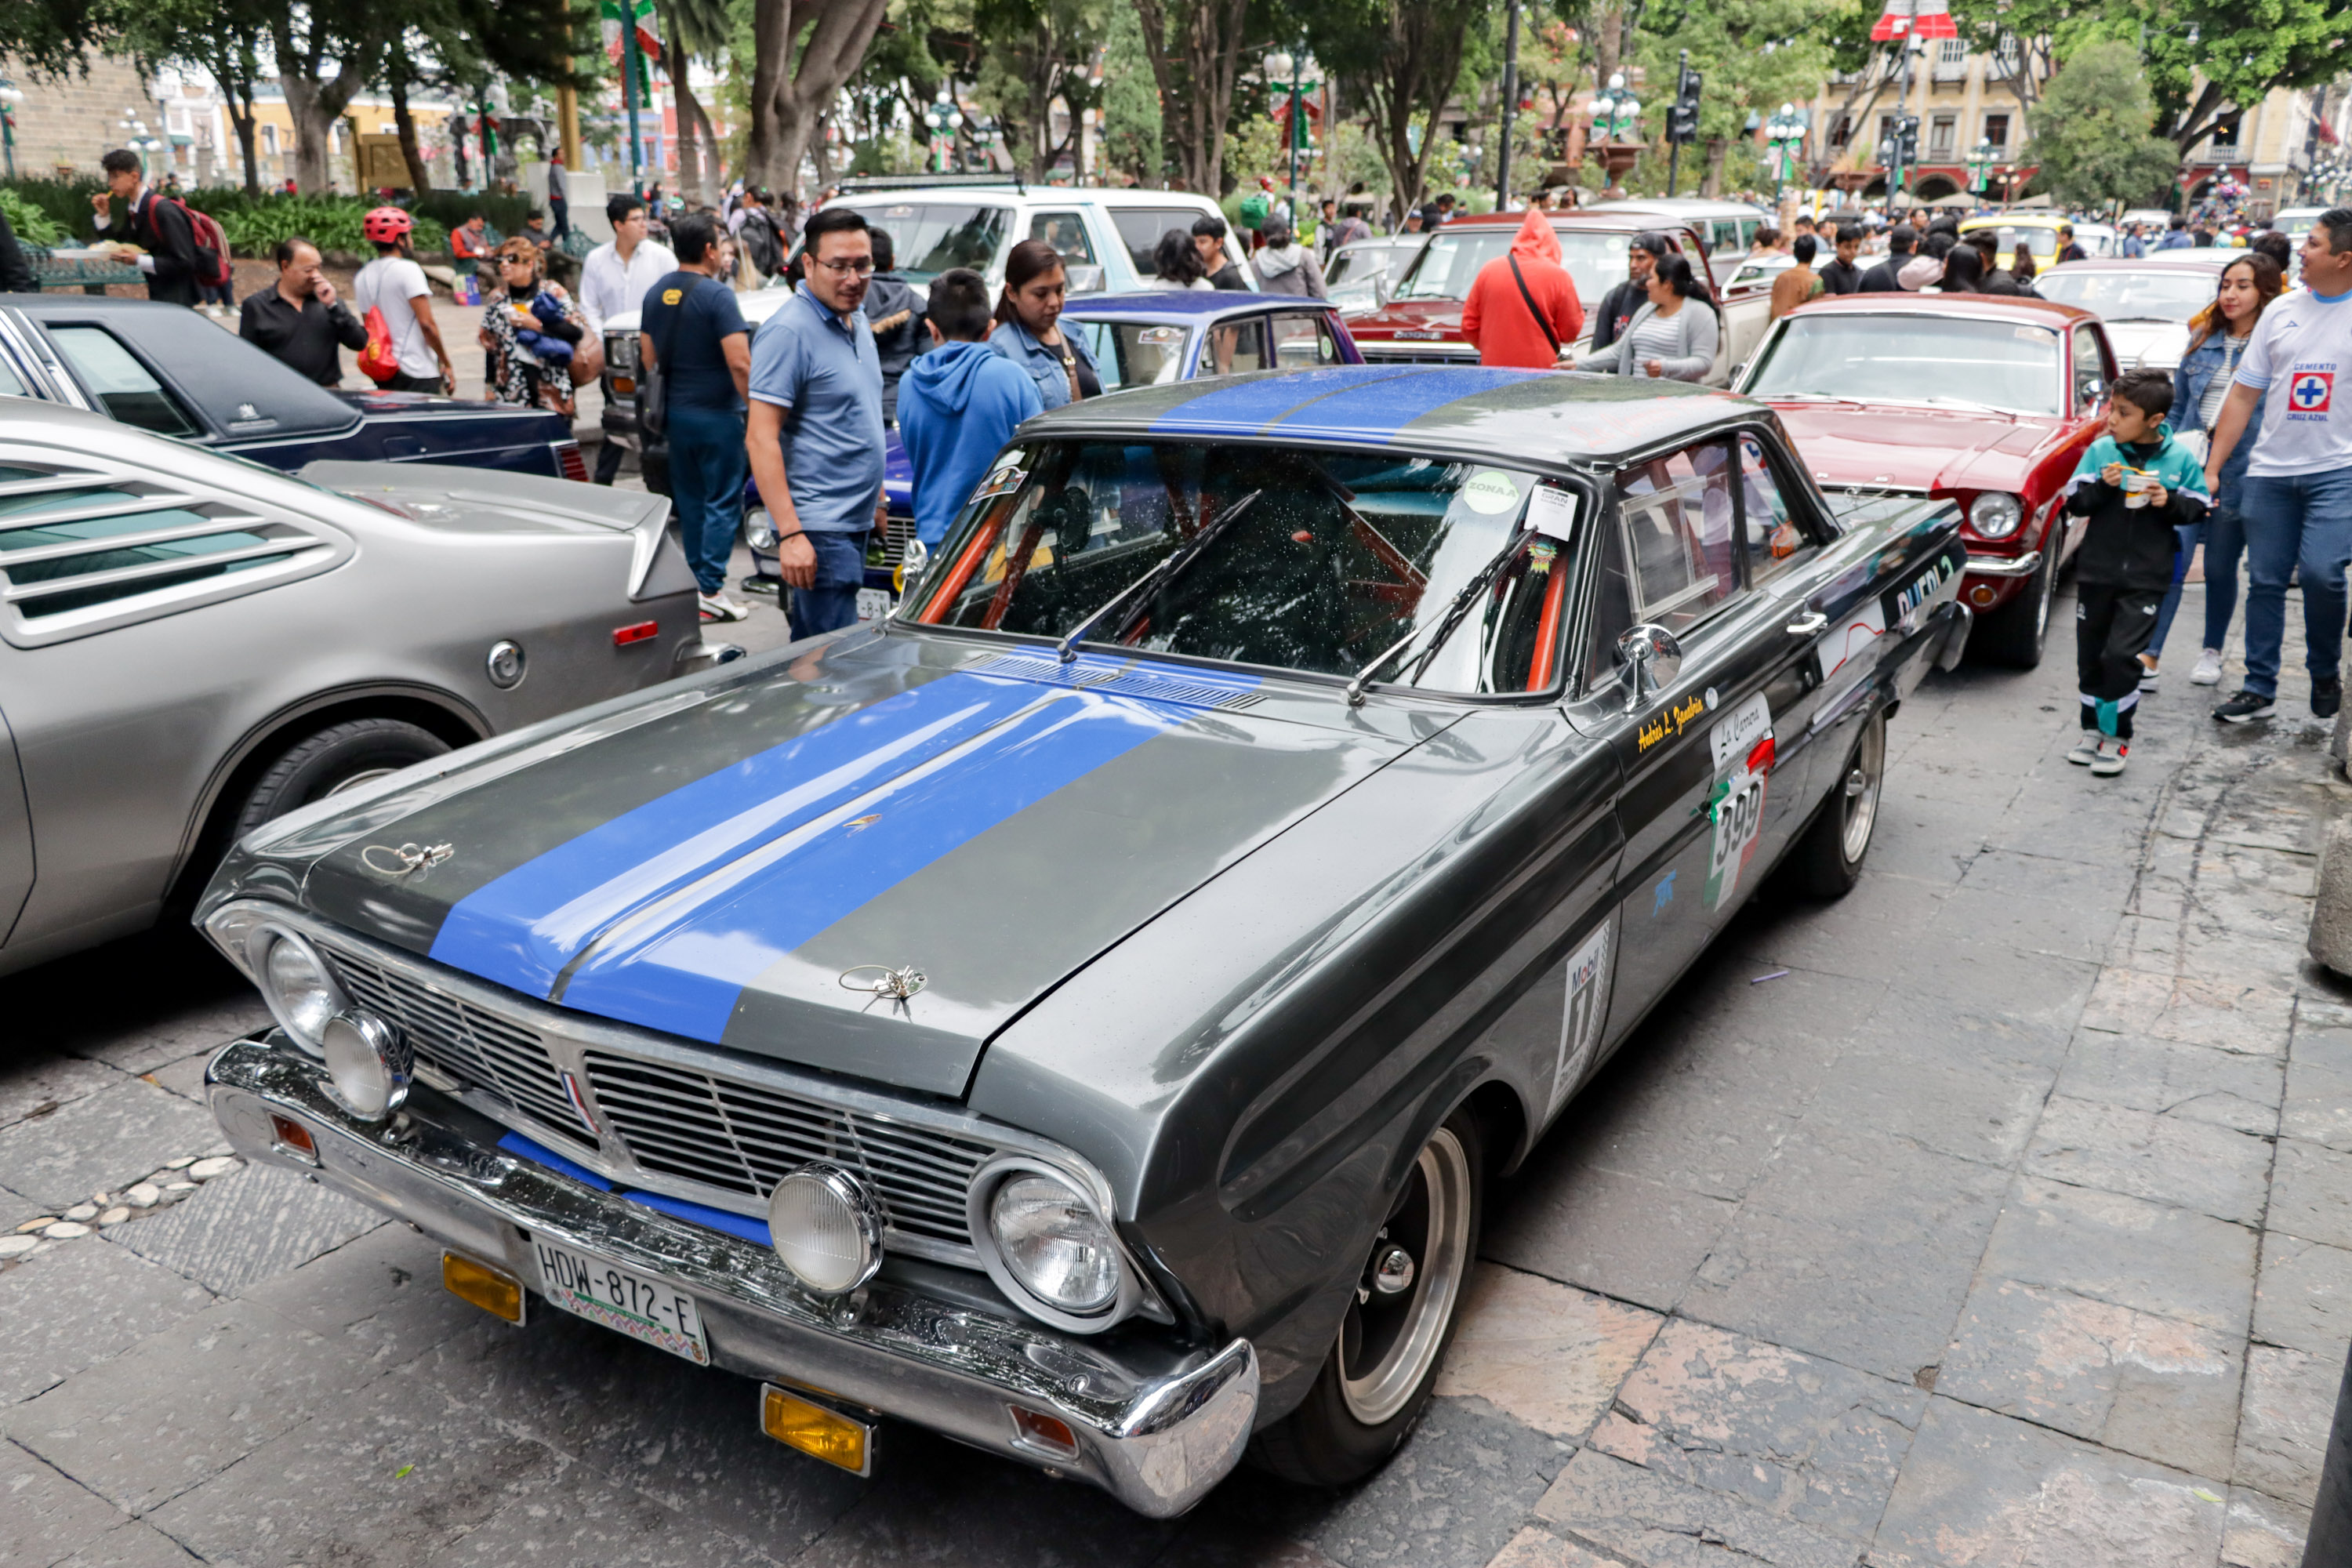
(1589, 974)
(1864, 623)
(1742, 742)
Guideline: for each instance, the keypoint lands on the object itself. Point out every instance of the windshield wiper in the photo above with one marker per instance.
(1444, 623)
(2159, 321)
(1175, 561)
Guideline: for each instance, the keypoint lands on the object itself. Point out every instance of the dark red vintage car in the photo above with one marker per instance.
(1422, 322)
(1988, 401)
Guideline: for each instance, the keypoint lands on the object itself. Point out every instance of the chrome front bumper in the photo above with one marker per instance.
(1156, 1440)
(2023, 565)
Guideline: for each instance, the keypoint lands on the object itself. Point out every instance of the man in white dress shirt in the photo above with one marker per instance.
(613, 282)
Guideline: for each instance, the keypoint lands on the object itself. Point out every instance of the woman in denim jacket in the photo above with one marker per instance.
(2218, 336)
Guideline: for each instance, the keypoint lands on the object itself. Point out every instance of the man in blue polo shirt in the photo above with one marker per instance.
(814, 435)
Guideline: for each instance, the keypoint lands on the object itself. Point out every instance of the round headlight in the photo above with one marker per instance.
(1055, 1243)
(368, 1064)
(300, 989)
(1995, 515)
(826, 1228)
(759, 528)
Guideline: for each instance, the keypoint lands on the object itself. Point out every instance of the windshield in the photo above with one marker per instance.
(930, 237)
(2132, 296)
(1913, 358)
(1134, 353)
(1332, 559)
(1443, 270)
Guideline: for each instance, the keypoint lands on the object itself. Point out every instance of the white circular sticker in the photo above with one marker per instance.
(1491, 490)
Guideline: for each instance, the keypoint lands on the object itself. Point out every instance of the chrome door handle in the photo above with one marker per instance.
(1806, 625)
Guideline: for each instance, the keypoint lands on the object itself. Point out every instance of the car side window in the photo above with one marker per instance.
(120, 384)
(1233, 348)
(1677, 516)
(1304, 338)
(2092, 379)
(1067, 233)
(1775, 540)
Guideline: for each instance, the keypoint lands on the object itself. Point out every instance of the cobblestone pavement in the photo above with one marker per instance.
(1996, 1215)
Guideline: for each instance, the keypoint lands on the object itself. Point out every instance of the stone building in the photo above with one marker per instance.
(65, 123)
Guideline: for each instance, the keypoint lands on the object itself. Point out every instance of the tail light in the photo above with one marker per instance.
(569, 462)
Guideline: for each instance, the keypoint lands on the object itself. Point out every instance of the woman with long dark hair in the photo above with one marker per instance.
(2218, 336)
(1176, 263)
(1029, 326)
(1673, 336)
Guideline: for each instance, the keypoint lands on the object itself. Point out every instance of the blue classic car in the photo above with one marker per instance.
(1136, 340)
(164, 368)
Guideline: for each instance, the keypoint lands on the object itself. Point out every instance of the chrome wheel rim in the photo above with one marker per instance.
(1390, 1341)
(2048, 592)
(1861, 791)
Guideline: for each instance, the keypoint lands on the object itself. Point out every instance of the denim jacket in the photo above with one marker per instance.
(2189, 384)
(1044, 365)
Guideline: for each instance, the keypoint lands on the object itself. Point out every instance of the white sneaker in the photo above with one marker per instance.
(2208, 668)
(2085, 749)
(2147, 676)
(719, 607)
(2110, 760)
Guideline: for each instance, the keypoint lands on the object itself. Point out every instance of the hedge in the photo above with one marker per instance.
(254, 224)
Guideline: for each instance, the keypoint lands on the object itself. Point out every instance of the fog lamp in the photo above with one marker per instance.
(826, 1228)
(815, 1431)
(493, 1291)
(368, 1064)
(1055, 1243)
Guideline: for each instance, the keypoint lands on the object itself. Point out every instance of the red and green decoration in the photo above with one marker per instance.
(639, 16)
(1915, 19)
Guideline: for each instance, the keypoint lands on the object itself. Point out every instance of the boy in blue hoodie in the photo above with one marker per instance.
(957, 403)
(2136, 484)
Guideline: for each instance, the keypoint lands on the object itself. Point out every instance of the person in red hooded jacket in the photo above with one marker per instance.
(1523, 309)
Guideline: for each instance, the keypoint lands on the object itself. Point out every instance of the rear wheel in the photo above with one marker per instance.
(340, 757)
(1828, 861)
(2014, 634)
(1400, 1317)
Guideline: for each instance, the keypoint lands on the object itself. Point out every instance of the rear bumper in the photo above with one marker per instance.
(1157, 1438)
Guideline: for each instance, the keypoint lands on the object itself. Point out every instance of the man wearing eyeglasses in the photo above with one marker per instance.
(815, 430)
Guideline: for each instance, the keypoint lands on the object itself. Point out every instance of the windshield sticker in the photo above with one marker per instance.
(1551, 512)
(1491, 491)
(1674, 719)
(1587, 1010)
(1737, 732)
(1003, 480)
(1736, 805)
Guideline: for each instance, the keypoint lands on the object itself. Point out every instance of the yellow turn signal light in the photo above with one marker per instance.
(815, 1431)
(496, 1293)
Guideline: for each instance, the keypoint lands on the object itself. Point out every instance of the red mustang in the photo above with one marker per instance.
(1989, 401)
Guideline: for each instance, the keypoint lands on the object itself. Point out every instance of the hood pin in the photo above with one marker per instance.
(406, 860)
(897, 984)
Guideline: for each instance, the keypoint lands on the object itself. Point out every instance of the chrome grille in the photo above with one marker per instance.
(745, 1138)
(488, 1053)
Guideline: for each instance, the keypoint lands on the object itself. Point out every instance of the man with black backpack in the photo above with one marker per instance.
(1522, 307)
(175, 261)
(755, 230)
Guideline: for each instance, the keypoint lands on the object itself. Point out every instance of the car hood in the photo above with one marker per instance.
(745, 862)
(485, 500)
(1417, 318)
(1922, 450)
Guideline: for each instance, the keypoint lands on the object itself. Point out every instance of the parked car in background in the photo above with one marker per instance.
(2152, 221)
(1362, 274)
(1422, 322)
(1978, 399)
(1728, 228)
(190, 645)
(166, 369)
(2146, 303)
(2297, 222)
(1082, 1014)
(2037, 232)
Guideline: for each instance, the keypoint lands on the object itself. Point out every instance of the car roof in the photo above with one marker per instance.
(1984, 307)
(1630, 220)
(2207, 258)
(1187, 304)
(1681, 206)
(1503, 416)
(1011, 192)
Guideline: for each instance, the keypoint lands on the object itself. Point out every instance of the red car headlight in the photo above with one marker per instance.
(1996, 514)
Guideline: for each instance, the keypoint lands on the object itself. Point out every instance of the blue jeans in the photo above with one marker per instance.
(2225, 546)
(2185, 543)
(707, 468)
(831, 602)
(2296, 522)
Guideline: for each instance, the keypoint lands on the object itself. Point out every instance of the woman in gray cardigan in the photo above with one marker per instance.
(1673, 336)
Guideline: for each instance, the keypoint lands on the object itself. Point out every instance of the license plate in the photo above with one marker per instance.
(628, 1303)
(873, 603)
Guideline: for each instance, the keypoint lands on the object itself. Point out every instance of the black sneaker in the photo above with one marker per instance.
(2327, 696)
(2245, 706)
(755, 583)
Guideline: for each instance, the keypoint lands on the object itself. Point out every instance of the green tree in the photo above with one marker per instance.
(1754, 56)
(1195, 48)
(1131, 127)
(1400, 63)
(2092, 138)
(1039, 50)
(221, 37)
(803, 53)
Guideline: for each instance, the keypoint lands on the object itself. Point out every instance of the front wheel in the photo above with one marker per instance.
(1400, 1317)
(340, 757)
(1828, 861)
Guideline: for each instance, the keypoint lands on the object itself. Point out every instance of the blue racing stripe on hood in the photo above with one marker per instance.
(681, 966)
(1378, 410)
(522, 929)
(1251, 406)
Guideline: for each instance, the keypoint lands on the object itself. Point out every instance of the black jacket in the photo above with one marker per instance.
(15, 275)
(160, 227)
(895, 313)
(2130, 547)
(309, 339)
(1881, 278)
(1616, 309)
(1840, 278)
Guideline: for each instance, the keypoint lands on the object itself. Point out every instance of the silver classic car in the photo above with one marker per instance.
(1080, 1012)
(191, 643)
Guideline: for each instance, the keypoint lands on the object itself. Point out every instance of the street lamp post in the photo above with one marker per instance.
(1616, 119)
(1510, 106)
(1785, 134)
(943, 116)
(11, 95)
(1981, 160)
(1279, 64)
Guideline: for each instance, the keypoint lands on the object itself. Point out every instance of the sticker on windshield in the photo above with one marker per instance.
(1003, 480)
(1551, 512)
(1491, 491)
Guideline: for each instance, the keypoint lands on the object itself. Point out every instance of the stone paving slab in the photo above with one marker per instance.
(2173, 1079)
(1547, 1356)
(71, 1307)
(2128, 1251)
(1634, 1516)
(583, 1517)
(2311, 1193)
(2189, 1164)
(2318, 1105)
(102, 1139)
(2283, 1425)
(1626, 1237)
(48, 1517)
(246, 1226)
(2303, 1299)
(131, 1545)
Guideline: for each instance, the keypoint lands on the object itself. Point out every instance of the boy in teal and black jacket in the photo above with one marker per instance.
(2136, 484)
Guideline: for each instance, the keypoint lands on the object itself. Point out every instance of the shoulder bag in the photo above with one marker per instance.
(1542, 321)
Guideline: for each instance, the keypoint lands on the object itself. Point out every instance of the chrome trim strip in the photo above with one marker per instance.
(2023, 565)
(1156, 1426)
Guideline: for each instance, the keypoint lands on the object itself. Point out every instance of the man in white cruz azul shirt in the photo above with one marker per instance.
(2297, 498)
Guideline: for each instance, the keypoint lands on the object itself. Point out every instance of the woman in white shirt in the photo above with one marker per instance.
(1673, 337)
(1176, 263)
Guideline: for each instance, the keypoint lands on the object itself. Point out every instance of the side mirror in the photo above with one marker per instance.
(1652, 657)
(1737, 371)
(2092, 390)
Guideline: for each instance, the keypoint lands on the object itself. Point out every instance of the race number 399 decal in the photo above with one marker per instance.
(1588, 971)
(1743, 756)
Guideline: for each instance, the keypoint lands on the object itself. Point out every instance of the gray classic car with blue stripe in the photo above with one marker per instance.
(1080, 1012)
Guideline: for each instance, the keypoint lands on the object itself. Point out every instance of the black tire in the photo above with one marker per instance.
(1828, 860)
(334, 758)
(2014, 635)
(1348, 1426)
